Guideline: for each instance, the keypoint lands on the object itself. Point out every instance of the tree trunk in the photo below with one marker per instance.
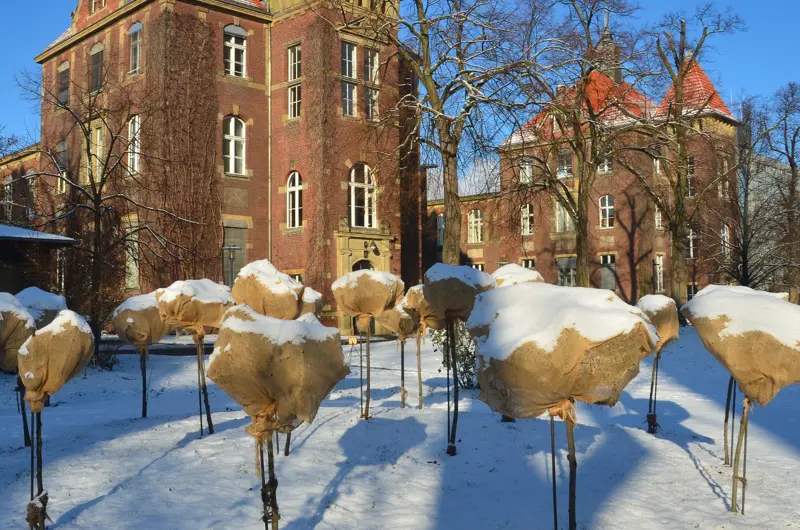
(677, 274)
(451, 251)
(451, 448)
(586, 183)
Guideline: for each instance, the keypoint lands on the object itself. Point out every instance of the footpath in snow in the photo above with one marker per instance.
(107, 468)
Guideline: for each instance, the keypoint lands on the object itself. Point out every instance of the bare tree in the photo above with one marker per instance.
(7, 143)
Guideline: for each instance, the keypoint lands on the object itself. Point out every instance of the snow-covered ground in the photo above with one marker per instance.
(107, 468)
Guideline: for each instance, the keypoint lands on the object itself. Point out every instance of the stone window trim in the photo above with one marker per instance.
(234, 51)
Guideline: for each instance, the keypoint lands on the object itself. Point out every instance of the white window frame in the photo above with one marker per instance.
(98, 148)
(294, 55)
(295, 100)
(348, 73)
(294, 200)
(475, 226)
(567, 276)
(96, 5)
(232, 140)
(607, 212)
(62, 148)
(371, 65)
(564, 170)
(529, 263)
(96, 83)
(659, 273)
(606, 165)
(135, 44)
(657, 165)
(564, 221)
(134, 143)
(30, 199)
(132, 259)
(478, 266)
(525, 171)
(371, 107)
(609, 261)
(8, 196)
(370, 206)
(691, 245)
(62, 91)
(690, 176)
(526, 219)
(440, 225)
(725, 240)
(659, 220)
(691, 290)
(234, 39)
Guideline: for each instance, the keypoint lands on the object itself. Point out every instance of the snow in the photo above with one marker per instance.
(137, 303)
(309, 318)
(467, 275)
(63, 321)
(267, 275)
(204, 291)
(105, 467)
(653, 303)
(10, 304)
(38, 301)
(350, 279)
(276, 330)
(16, 233)
(748, 310)
(513, 273)
(311, 296)
(539, 313)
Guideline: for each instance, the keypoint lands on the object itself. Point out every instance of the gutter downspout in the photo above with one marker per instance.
(269, 139)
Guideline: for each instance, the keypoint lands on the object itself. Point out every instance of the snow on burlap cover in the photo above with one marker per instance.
(54, 355)
(366, 293)
(278, 370)
(193, 303)
(312, 302)
(513, 274)
(138, 321)
(268, 291)
(401, 321)
(663, 314)
(451, 290)
(539, 346)
(42, 306)
(754, 334)
(16, 325)
(414, 300)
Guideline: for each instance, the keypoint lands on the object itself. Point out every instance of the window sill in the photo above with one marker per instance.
(605, 228)
(242, 176)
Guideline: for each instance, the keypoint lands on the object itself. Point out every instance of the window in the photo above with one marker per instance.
(132, 257)
(659, 273)
(8, 197)
(96, 71)
(135, 36)
(691, 291)
(98, 154)
(725, 240)
(563, 219)
(690, 176)
(526, 213)
(529, 263)
(657, 166)
(371, 103)
(658, 220)
(606, 211)
(297, 277)
(724, 189)
(371, 65)
(295, 73)
(605, 165)
(63, 84)
(235, 51)
(477, 266)
(30, 194)
(134, 143)
(525, 171)
(475, 226)
(691, 244)
(61, 269)
(440, 230)
(362, 197)
(233, 236)
(608, 272)
(294, 201)
(95, 5)
(348, 79)
(233, 145)
(567, 273)
(61, 161)
(564, 163)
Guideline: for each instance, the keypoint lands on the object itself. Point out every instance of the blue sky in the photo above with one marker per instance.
(758, 60)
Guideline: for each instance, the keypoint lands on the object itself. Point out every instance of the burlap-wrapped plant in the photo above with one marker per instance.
(193, 304)
(16, 325)
(54, 355)
(42, 306)
(415, 300)
(312, 302)
(268, 291)
(366, 293)
(756, 337)
(663, 314)
(403, 323)
(512, 274)
(451, 289)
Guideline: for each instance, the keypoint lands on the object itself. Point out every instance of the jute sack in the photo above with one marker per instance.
(268, 291)
(665, 319)
(415, 301)
(366, 293)
(451, 290)
(312, 302)
(42, 306)
(399, 321)
(54, 355)
(193, 303)
(138, 322)
(280, 371)
(16, 325)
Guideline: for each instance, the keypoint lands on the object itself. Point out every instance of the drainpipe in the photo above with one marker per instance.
(269, 139)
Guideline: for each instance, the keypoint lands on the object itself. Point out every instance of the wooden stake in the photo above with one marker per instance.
(39, 478)
(201, 366)
(725, 428)
(573, 474)
(369, 391)
(739, 445)
(361, 369)
(265, 504)
(143, 366)
(553, 470)
(272, 485)
(733, 417)
(652, 417)
(33, 449)
(419, 365)
(451, 448)
(402, 374)
(447, 364)
(21, 395)
(199, 400)
(288, 441)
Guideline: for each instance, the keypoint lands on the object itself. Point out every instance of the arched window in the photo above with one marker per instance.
(475, 225)
(440, 230)
(294, 201)
(233, 145)
(235, 50)
(362, 197)
(135, 43)
(606, 211)
(526, 214)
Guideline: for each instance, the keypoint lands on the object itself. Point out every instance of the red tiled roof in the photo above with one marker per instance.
(698, 94)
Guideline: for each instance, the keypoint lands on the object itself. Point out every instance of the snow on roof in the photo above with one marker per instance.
(38, 301)
(10, 304)
(540, 312)
(204, 291)
(350, 279)
(699, 93)
(464, 273)
(270, 277)
(137, 303)
(748, 310)
(653, 303)
(61, 38)
(16, 233)
(512, 274)
(275, 330)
